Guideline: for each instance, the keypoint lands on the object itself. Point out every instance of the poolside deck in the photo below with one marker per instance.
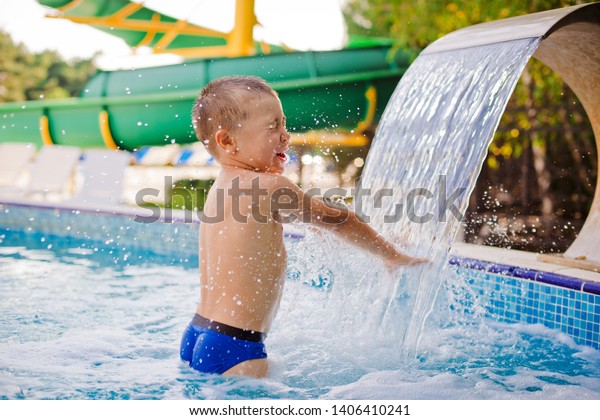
(523, 259)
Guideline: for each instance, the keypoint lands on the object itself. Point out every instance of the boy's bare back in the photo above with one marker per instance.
(242, 260)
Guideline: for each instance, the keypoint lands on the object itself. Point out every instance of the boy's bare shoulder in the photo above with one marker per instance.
(261, 184)
(271, 182)
(265, 180)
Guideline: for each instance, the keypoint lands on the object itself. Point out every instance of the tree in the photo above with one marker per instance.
(27, 76)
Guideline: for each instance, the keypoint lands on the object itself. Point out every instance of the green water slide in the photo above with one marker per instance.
(335, 91)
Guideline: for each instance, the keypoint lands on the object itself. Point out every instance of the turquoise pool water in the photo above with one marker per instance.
(86, 320)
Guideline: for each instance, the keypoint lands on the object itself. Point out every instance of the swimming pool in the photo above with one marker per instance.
(90, 312)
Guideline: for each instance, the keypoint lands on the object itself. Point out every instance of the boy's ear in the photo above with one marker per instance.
(225, 142)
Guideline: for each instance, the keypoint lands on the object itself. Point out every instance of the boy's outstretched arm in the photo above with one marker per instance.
(360, 234)
(346, 224)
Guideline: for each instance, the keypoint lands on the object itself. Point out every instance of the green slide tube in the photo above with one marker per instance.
(129, 109)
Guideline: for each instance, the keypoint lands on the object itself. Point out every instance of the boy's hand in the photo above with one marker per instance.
(400, 259)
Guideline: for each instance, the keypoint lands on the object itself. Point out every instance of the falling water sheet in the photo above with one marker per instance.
(428, 152)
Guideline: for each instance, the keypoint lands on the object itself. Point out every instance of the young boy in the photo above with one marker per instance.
(242, 257)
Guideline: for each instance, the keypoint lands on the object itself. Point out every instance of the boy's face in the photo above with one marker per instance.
(262, 138)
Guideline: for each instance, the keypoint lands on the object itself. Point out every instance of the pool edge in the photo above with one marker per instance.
(523, 265)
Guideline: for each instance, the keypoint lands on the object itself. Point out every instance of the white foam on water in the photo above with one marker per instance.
(400, 385)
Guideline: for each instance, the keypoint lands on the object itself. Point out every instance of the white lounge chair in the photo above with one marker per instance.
(156, 155)
(159, 167)
(194, 154)
(14, 159)
(102, 172)
(53, 173)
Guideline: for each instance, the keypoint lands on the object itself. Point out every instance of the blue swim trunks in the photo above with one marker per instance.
(211, 347)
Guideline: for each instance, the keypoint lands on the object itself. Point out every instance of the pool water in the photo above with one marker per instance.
(79, 323)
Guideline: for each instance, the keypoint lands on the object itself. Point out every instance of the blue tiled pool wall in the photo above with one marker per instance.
(510, 299)
(119, 233)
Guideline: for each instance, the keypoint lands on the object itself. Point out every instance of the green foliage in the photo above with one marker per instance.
(189, 194)
(415, 24)
(27, 76)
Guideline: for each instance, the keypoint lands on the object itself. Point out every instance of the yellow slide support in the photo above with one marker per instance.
(355, 138)
(45, 131)
(107, 137)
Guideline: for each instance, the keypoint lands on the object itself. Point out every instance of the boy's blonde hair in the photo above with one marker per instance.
(222, 103)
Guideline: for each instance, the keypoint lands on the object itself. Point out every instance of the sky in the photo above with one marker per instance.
(301, 24)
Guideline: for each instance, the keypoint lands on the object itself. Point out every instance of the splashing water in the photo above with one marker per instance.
(113, 333)
(428, 152)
